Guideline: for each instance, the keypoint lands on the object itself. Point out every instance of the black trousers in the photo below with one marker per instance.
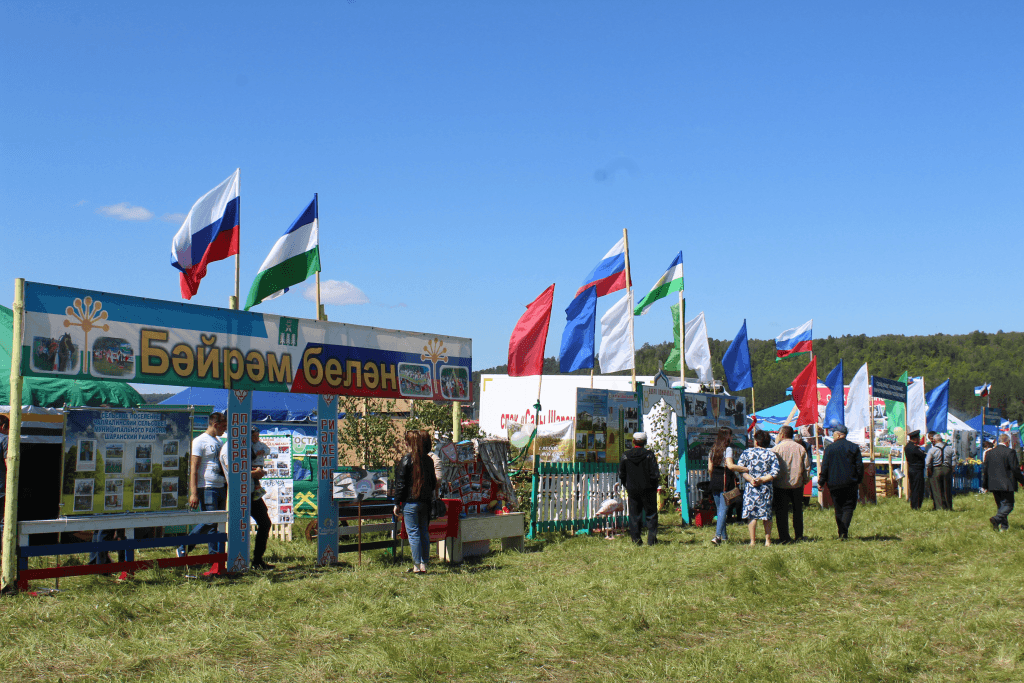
(646, 501)
(844, 500)
(942, 487)
(259, 513)
(781, 502)
(916, 482)
(1004, 505)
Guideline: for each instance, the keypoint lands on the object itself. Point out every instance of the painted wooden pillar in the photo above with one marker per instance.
(239, 482)
(327, 463)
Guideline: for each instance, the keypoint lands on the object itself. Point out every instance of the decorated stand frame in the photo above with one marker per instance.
(70, 332)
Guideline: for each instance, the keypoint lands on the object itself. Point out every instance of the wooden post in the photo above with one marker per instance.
(9, 564)
(456, 422)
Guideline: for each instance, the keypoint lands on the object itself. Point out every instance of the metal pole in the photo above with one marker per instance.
(629, 294)
(9, 564)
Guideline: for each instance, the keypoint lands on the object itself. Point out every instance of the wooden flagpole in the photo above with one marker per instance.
(629, 302)
(9, 561)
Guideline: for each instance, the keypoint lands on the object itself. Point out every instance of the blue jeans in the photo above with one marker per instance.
(212, 498)
(722, 506)
(417, 521)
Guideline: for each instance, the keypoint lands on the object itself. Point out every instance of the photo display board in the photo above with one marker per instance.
(119, 461)
(705, 414)
(349, 482)
(289, 446)
(605, 423)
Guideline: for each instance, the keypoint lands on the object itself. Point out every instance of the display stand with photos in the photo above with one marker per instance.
(123, 470)
(362, 496)
(120, 338)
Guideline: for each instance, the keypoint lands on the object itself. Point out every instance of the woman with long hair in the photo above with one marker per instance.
(762, 468)
(415, 482)
(722, 469)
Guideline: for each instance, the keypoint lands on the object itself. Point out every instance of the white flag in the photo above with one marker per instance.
(915, 407)
(858, 418)
(698, 353)
(617, 336)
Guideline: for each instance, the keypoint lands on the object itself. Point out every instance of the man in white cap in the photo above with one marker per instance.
(638, 472)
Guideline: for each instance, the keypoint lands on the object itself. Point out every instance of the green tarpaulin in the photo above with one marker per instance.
(58, 392)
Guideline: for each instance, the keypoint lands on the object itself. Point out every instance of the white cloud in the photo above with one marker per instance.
(174, 217)
(337, 293)
(82, 203)
(126, 212)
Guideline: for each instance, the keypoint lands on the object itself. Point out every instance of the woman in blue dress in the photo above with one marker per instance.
(762, 467)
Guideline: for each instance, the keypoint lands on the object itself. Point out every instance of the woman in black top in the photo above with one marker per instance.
(414, 489)
(722, 467)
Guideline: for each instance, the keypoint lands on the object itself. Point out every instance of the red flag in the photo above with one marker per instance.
(805, 394)
(526, 347)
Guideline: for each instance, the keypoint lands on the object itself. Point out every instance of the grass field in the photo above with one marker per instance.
(924, 596)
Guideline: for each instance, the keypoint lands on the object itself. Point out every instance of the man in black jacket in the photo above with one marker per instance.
(914, 458)
(843, 470)
(1000, 474)
(638, 472)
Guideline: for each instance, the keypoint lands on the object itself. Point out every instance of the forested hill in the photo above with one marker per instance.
(967, 360)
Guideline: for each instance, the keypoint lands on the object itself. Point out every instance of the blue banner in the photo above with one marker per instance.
(238, 477)
(327, 463)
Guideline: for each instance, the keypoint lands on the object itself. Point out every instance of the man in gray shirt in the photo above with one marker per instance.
(938, 466)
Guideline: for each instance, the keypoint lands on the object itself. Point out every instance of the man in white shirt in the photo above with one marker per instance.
(206, 484)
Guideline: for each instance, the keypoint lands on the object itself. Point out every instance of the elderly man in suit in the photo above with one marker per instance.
(1000, 474)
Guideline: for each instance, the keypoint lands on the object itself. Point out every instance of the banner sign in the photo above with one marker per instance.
(290, 446)
(605, 423)
(653, 394)
(553, 442)
(73, 333)
(125, 461)
(239, 479)
(992, 417)
(888, 389)
(327, 463)
(705, 414)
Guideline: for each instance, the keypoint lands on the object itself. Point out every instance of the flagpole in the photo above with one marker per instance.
(682, 340)
(233, 302)
(629, 295)
(319, 308)
(316, 209)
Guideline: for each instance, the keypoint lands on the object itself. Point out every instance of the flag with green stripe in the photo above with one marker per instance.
(671, 281)
(295, 257)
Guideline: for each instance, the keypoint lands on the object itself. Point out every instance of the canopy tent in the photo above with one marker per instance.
(975, 424)
(58, 392)
(267, 406)
(770, 419)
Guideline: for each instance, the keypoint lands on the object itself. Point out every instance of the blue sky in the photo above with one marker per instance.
(861, 164)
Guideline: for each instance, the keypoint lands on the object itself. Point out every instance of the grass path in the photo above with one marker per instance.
(923, 596)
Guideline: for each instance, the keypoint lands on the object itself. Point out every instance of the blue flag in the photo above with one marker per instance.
(834, 411)
(938, 408)
(736, 362)
(578, 337)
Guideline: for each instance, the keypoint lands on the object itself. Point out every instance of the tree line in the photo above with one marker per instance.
(966, 360)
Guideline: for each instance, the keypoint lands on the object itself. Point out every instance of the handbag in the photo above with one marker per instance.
(732, 494)
(437, 508)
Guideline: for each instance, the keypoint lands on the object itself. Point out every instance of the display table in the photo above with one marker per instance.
(475, 530)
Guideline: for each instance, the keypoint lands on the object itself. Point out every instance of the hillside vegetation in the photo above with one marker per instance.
(967, 360)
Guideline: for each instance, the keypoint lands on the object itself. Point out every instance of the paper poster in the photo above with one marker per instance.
(350, 482)
(280, 500)
(705, 414)
(125, 461)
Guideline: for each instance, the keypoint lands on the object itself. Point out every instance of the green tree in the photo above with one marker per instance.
(367, 433)
(436, 416)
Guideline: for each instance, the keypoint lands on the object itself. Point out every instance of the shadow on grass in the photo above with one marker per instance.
(877, 537)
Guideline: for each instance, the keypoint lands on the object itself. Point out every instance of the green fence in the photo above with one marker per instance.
(568, 496)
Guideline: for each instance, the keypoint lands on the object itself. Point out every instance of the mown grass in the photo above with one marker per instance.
(925, 596)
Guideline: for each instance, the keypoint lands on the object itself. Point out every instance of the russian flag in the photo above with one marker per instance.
(610, 274)
(796, 340)
(209, 233)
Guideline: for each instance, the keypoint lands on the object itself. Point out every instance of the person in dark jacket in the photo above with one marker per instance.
(914, 458)
(999, 474)
(414, 489)
(842, 470)
(638, 472)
